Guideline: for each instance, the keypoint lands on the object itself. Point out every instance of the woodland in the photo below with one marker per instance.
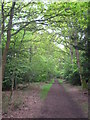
(43, 40)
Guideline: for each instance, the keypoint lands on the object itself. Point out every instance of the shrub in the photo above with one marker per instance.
(75, 78)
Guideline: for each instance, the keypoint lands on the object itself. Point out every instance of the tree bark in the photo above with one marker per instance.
(78, 61)
(30, 51)
(8, 40)
(2, 18)
(0, 45)
(71, 52)
(83, 82)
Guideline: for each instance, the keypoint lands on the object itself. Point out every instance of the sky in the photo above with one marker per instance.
(59, 45)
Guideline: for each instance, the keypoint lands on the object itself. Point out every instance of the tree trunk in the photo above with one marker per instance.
(8, 40)
(30, 51)
(2, 18)
(71, 52)
(83, 82)
(15, 84)
(78, 63)
(12, 87)
(0, 45)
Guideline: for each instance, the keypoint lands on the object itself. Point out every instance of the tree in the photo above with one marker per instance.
(8, 35)
(32, 48)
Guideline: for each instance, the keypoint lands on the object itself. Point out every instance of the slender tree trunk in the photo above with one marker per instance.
(83, 82)
(78, 63)
(2, 18)
(5, 53)
(71, 52)
(15, 84)
(0, 44)
(12, 87)
(8, 40)
(30, 51)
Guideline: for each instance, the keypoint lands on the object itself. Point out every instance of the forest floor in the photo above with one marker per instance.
(63, 101)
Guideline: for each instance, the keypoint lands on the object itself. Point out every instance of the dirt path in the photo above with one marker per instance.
(59, 104)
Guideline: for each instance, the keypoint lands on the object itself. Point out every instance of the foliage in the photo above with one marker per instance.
(60, 81)
(42, 43)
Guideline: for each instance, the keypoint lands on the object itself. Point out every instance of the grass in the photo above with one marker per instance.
(60, 81)
(45, 89)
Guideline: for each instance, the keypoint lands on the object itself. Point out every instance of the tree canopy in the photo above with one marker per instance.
(44, 40)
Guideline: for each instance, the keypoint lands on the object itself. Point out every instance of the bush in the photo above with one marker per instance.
(6, 85)
(75, 78)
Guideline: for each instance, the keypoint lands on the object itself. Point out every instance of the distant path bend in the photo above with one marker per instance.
(59, 104)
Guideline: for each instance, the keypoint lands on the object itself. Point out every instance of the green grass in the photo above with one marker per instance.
(45, 89)
(60, 81)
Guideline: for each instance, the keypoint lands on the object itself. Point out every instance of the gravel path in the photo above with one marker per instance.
(59, 104)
